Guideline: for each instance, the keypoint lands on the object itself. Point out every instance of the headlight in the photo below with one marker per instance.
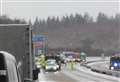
(73, 59)
(47, 67)
(83, 60)
(112, 68)
(38, 66)
(54, 68)
(57, 66)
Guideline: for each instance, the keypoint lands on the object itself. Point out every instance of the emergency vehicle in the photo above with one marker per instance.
(115, 62)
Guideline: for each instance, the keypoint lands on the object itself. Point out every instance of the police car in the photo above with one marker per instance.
(115, 62)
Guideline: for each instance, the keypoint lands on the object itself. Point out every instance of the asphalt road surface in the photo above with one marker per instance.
(79, 74)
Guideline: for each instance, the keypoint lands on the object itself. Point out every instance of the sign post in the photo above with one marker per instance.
(39, 44)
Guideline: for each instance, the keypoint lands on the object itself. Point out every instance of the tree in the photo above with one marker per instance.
(6, 20)
(36, 25)
(87, 18)
(117, 18)
(65, 21)
(102, 18)
(72, 19)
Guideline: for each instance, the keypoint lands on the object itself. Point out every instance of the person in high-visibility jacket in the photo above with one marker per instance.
(72, 64)
(42, 61)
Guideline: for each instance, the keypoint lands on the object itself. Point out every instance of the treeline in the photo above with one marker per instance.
(76, 20)
(6, 20)
(81, 31)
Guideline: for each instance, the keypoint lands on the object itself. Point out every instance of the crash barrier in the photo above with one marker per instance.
(106, 71)
(102, 71)
(87, 66)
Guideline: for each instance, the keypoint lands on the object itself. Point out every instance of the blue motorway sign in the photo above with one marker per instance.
(38, 38)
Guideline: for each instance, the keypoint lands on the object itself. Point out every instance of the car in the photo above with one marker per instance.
(51, 65)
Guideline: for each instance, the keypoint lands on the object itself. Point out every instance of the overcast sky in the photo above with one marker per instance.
(30, 9)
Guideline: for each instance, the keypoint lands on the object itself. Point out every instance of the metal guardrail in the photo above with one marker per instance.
(87, 66)
(106, 71)
(103, 71)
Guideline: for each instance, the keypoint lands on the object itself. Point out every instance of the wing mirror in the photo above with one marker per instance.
(19, 64)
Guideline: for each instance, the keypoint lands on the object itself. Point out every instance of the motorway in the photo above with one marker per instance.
(79, 74)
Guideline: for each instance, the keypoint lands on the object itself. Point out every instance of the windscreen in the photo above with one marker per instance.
(3, 74)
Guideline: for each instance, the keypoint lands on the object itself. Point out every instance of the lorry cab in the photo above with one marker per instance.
(8, 68)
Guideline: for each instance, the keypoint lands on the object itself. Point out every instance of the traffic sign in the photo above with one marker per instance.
(38, 38)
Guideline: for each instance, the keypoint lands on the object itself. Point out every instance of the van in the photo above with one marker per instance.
(8, 68)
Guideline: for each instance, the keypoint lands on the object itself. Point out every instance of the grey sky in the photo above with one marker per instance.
(30, 9)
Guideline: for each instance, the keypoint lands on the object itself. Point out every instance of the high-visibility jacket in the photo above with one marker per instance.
(42, 60)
